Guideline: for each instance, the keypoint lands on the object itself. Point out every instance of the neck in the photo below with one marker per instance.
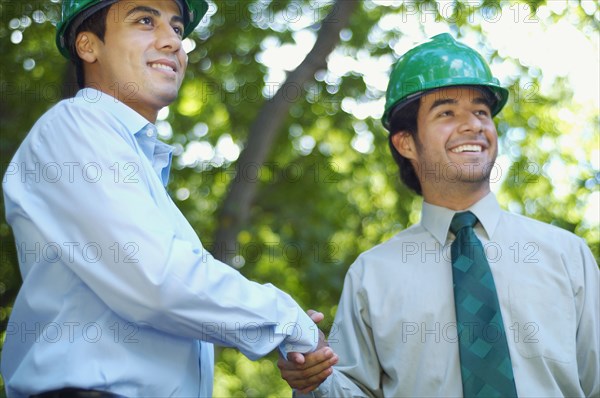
(148, 112)
(456, 197)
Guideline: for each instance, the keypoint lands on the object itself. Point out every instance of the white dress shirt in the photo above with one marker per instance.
(395, 327)
(118, 293)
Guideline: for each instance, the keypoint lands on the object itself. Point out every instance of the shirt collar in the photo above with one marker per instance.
(158, 153)
(436, 220)
(130, 119)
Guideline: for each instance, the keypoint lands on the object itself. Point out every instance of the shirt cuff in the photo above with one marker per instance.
(320, 392)
(300, 336)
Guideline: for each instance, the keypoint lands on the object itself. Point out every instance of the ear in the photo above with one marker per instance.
(85, 45)
(404, 143)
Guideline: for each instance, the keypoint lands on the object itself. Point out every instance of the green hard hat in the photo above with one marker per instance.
(74, 12)
(439, 62)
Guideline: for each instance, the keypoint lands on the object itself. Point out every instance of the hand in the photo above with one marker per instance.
(305, 372)
(316, 317)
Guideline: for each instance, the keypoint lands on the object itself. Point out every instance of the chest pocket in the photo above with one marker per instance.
(542, 323)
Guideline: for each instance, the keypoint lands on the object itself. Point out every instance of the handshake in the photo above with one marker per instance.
(305, 372)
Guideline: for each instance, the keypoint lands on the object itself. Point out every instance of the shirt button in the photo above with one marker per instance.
(150, 132)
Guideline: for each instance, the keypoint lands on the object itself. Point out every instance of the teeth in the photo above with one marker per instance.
(161, 66)
(467, 148)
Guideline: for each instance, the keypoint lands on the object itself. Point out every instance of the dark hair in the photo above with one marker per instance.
(96, 24)
(405, 121)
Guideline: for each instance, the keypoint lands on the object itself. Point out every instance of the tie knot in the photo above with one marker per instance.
(461, 220)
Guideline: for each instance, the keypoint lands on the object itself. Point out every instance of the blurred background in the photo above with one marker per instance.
(281, 163)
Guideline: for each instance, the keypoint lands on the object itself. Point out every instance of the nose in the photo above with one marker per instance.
(470, 123)
(168, 39)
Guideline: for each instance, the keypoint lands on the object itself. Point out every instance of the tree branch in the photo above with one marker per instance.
(235, 211)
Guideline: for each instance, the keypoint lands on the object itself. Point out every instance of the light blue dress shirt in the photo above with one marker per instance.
(395, 327)
(118, 293)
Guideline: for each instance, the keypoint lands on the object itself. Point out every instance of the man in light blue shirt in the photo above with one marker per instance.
(119, 296)
(396, 328)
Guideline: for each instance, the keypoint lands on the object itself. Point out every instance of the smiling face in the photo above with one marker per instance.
(455, 147)
(141, 61)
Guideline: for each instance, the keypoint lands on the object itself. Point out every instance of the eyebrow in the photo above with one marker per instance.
(441, 102)
(153, 11)
(451, 101)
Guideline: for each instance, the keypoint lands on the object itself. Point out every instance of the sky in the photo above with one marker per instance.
(558, 49)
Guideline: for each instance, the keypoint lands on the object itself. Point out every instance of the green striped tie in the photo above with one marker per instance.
(485, 363)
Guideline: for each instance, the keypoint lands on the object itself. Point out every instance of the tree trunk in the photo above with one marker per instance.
(262, 133)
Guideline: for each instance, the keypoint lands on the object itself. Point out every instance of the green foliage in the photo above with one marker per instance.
(320, 201)
(237, 376)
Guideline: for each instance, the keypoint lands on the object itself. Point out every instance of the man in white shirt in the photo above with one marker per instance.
(396, 331)
(119, 297)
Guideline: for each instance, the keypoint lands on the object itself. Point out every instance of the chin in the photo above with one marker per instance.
(165, 99)
(162, 92)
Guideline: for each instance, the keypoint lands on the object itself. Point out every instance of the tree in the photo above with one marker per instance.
(323, 187)
(267, 125)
